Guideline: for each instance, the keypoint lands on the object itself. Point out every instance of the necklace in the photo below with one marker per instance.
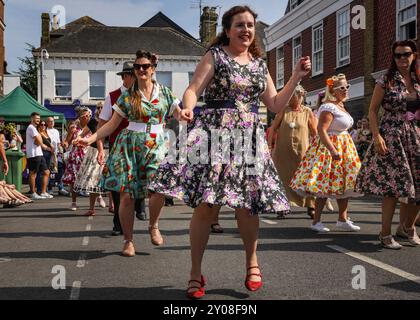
(293, 124)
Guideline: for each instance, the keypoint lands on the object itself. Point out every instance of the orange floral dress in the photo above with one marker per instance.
(318, 174)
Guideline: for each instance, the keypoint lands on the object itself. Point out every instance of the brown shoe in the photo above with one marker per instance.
(155, 236)
(128, 250)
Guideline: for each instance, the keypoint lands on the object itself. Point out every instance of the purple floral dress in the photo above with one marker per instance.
(237, 183)
(396, 174)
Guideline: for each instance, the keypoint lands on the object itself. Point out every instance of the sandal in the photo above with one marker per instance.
(216, 228)
(198, 294)
(388, 242)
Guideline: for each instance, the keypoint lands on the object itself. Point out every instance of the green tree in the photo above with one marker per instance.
(28, 72)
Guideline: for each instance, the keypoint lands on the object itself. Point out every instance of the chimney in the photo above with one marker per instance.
(45, 29)
(208, 25)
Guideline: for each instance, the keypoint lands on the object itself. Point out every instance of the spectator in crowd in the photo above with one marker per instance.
(35, 157)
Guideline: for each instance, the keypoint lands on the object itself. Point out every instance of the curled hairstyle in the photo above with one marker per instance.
(331, 83)
(81, 110)
(393, 68)
(135, 96)
(300, 92)
(227, 20)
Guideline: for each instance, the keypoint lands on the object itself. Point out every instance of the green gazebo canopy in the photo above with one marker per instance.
(18, 105)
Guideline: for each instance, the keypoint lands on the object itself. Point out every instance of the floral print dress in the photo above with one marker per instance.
(75, 160)
(235, 182)
(318, 174)
(136, 155)
(397, 173)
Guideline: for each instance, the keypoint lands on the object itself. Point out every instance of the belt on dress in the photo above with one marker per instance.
(145, 127)
(229, 104)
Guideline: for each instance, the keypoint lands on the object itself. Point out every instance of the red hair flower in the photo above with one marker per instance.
(330, 82)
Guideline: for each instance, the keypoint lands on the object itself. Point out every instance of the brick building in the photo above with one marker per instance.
(338, 40)
(2, 51)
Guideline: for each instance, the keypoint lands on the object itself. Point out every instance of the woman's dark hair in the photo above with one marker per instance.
(393, 69)
(148, 55)
(227, 19)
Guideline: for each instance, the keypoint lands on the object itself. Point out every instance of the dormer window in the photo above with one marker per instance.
(293, 4)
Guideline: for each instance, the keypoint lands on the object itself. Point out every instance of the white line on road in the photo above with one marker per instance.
(90, 218)
(378, 264)
(88, 227)
(5, 260)
(75, 290)
(268, 221)
(85, 241)
(82, 261)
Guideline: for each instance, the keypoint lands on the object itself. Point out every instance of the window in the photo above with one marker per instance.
(406, 19)
(297, 49)
(63, 84)
(164, 78)
(293, 4)
(318, 49)
(97, 84)
(280, 67)
(343, 37)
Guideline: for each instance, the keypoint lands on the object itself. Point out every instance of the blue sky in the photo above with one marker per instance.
(23, 17)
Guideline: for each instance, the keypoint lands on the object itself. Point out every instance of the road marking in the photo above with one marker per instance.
(5, 260)
(85, 241)
(75, 290)
(90, 218)
(268, 221)
(82, 261)
(378, 264)
(88, 227)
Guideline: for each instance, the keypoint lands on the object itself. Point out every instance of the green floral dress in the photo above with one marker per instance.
(135, 156)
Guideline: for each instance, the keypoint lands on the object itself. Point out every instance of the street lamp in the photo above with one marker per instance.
(44, 55)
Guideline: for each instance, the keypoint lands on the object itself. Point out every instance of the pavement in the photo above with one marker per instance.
(50, 252)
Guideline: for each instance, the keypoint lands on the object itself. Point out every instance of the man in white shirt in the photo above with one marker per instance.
(35, 157)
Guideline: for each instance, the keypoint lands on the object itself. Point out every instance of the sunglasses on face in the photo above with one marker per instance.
(343, 88)
(400, 55)
(144, 66)
(42, 124)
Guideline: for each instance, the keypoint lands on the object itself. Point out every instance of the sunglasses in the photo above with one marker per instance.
(343, 88)
(42, 124)
(400, 55)
(144, 66)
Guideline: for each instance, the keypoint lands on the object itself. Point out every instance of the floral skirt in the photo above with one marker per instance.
(397, 173)
(320, 176)
(90, 173)
(73, 164)
(252, 185)
(132, 162)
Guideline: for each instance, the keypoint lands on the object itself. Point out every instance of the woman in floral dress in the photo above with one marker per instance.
(391, 167)
(138, 149)
(77, 153)
(331, 164)
(235, 78)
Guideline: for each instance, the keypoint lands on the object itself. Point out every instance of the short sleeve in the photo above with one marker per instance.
(381, 81)
(106, 113)
(173, 101)
(327, 107)
(122, 106)
(33, 132)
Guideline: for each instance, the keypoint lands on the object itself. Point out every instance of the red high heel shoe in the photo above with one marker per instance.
(253, 285)
(194, 295)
